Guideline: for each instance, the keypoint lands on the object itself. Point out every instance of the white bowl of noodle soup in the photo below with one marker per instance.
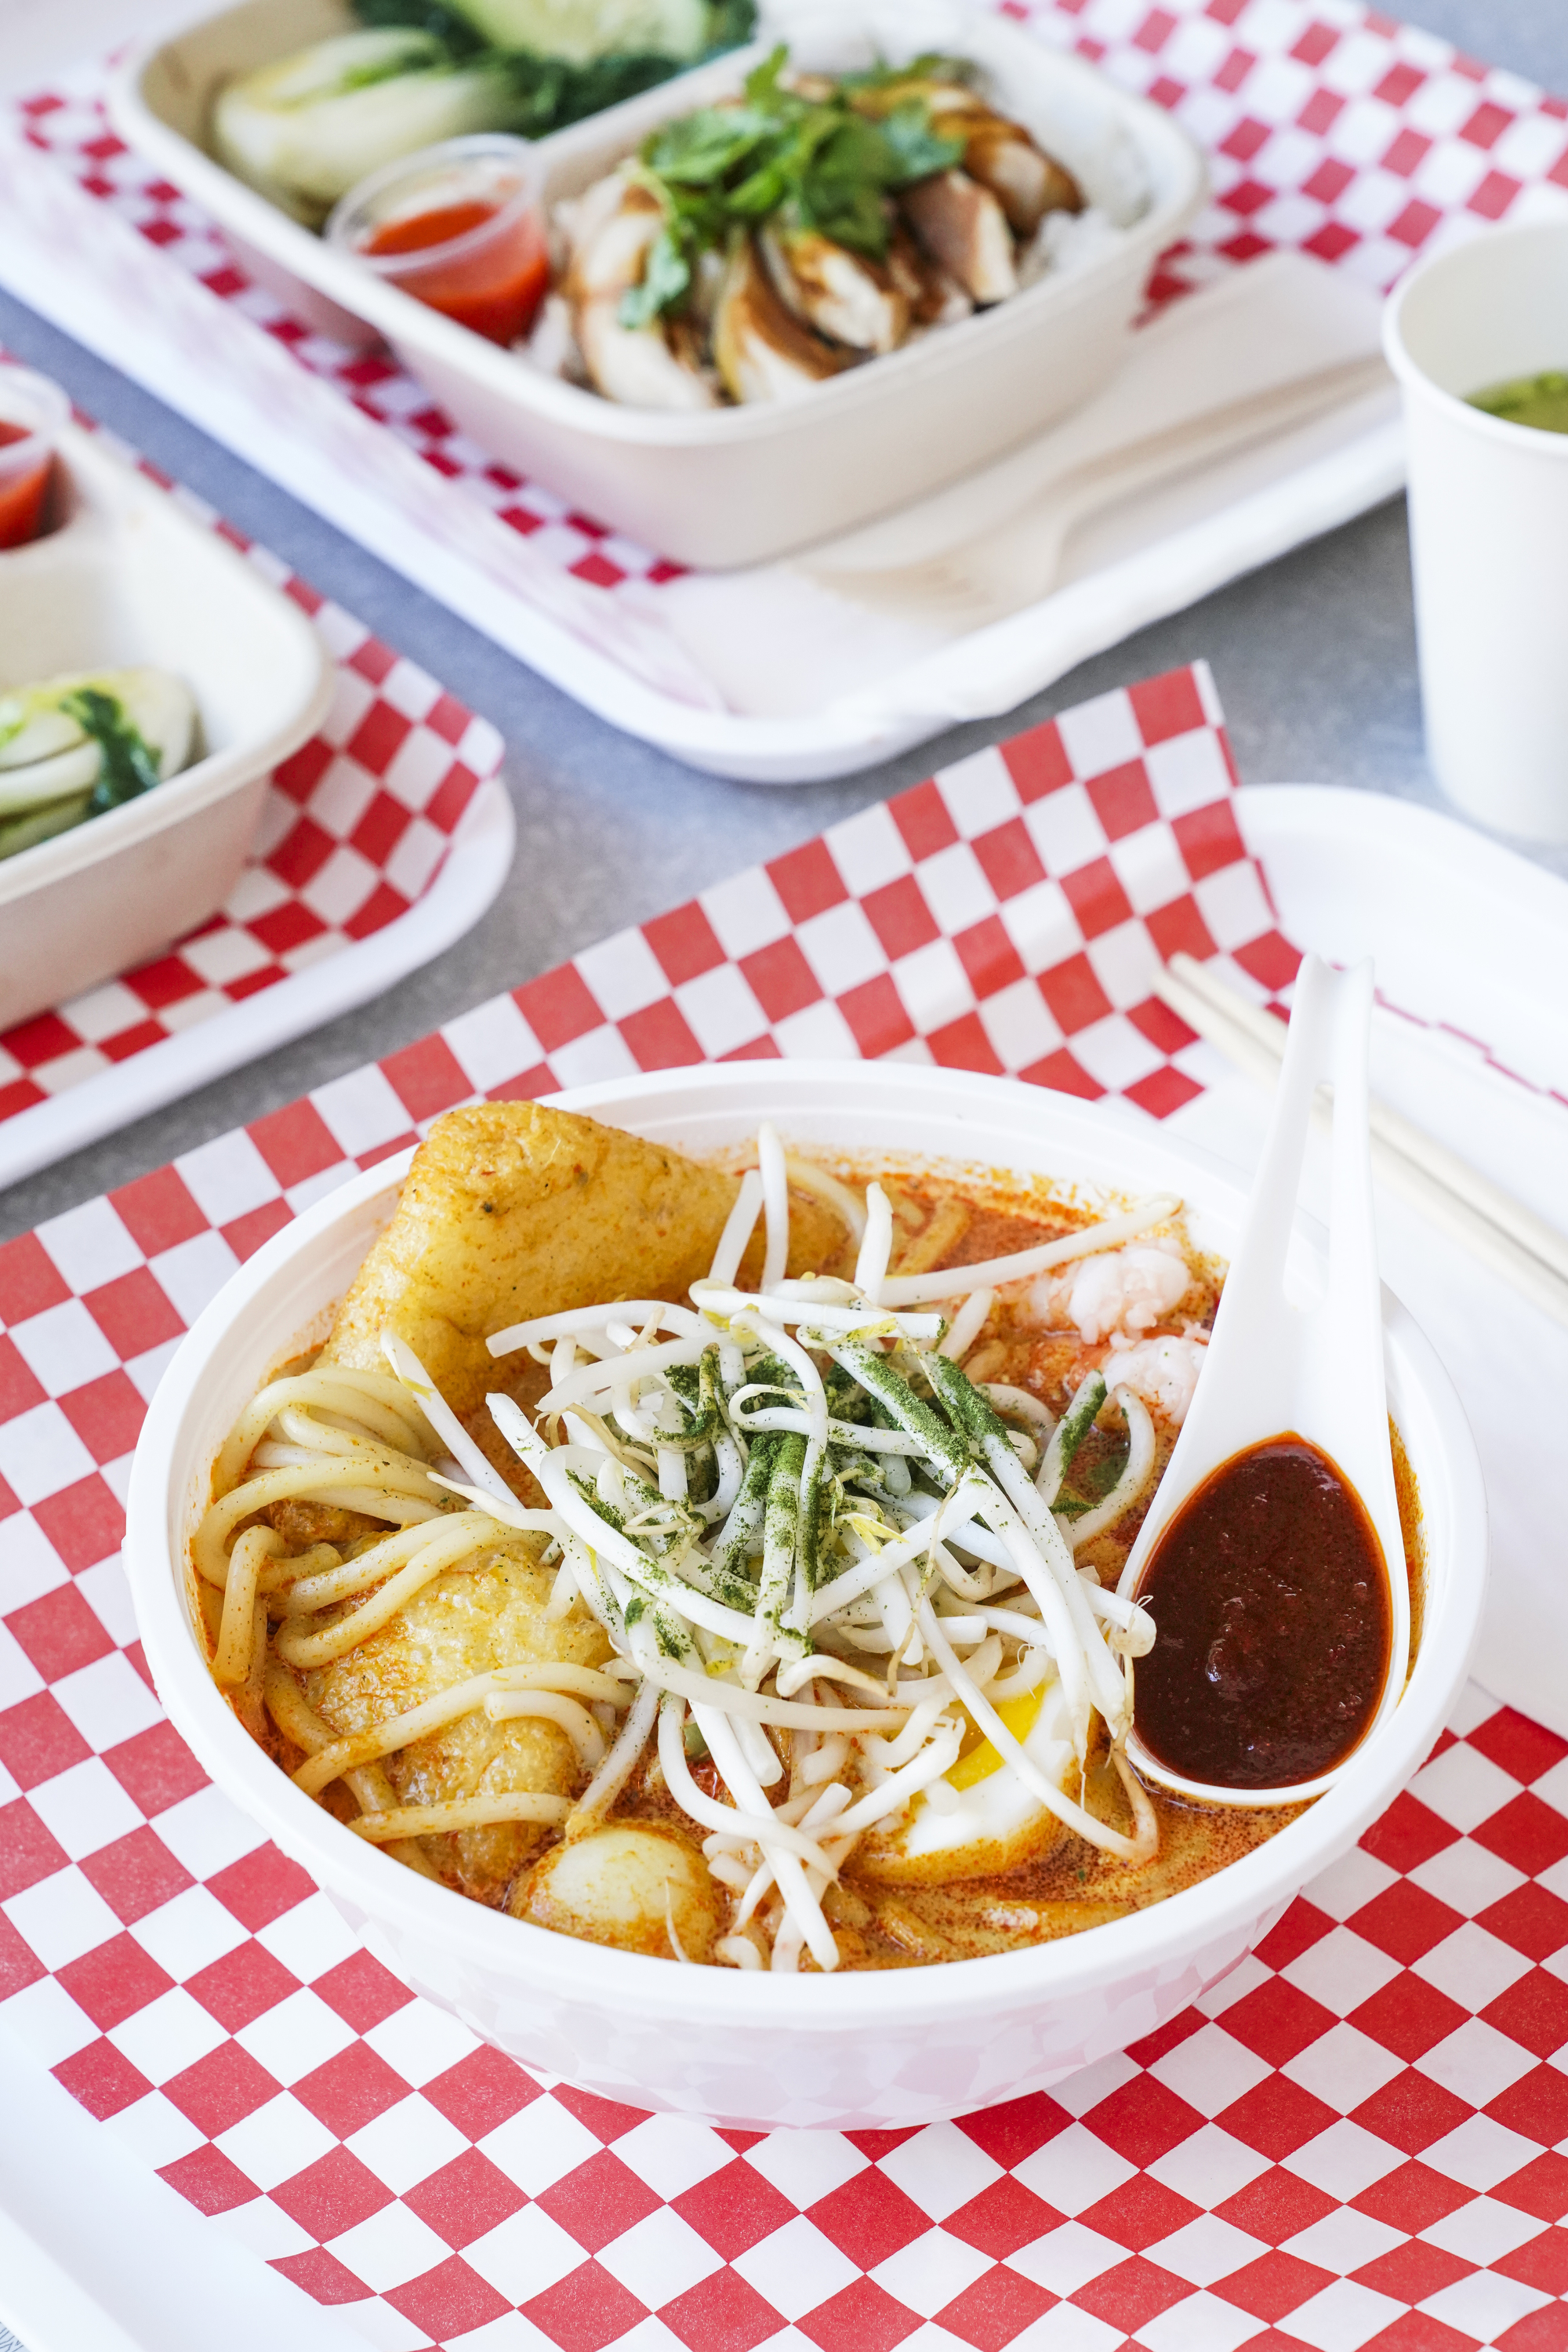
(887, 2048)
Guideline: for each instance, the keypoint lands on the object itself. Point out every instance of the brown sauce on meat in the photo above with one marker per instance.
(1271, 1598)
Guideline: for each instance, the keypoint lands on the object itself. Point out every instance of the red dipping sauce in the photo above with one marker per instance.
(493, 284)
(23, 494)
(1274, 1624)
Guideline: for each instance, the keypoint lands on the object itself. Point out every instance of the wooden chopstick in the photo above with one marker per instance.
(1521, 1247)
(1498, 1207)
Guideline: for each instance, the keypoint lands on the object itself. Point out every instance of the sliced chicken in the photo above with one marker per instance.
(844, 297)
(644, 367)
(1024, 181)
(636, 365)
(612, 229)
(964, 228)
(762, 351)
(998, 153)
(935, 299)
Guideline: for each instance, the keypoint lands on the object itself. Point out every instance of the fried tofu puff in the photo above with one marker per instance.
(490, 1612)
(635, 1888)
(510, 1210)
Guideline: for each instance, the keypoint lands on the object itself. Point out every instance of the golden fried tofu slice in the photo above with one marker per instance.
(510, 1210)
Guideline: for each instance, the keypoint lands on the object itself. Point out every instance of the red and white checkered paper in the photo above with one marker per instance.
(354, 830)
(1328, 129)
(1357, 2140)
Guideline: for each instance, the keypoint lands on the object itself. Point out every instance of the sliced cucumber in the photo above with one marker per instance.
(48, 755)
(582, 30)
(19, 833)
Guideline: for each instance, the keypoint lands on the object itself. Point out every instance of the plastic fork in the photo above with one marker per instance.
(1275, 1368)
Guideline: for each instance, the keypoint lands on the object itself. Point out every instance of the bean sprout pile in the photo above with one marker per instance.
(790, 1511)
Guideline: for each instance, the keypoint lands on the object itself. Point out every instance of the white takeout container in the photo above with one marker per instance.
(127, 578)
(891, 2048)
(1489, 522)
(736, 486)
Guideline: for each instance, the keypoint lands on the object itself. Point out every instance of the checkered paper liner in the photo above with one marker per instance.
(1329, 130)
(354, 831)
(1357, 2139)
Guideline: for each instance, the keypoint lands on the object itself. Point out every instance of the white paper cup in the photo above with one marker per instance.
(1488, 524)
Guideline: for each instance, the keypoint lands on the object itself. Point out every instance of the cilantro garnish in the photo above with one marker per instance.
(130, 767)
(811, 162)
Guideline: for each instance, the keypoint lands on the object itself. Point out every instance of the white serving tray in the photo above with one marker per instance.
(658, 665)
(95, 2252)
(475, 866)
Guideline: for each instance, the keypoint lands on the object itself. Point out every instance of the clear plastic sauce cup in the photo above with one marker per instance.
(32, 411)
(459, 225)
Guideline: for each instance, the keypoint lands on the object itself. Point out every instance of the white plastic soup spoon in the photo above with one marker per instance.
(1276, 1370)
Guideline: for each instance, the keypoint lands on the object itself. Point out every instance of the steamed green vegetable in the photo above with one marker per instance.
(305, 130)
(74, 747)
(583, 30)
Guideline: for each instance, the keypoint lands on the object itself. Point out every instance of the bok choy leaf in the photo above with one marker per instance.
(306, 128)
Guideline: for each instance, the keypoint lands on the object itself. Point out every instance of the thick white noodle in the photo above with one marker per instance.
(551, 1706)
(1022, 1406)
(731, 1471)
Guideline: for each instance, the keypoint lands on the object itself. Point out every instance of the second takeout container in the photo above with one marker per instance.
(128, 578)
(739, 486)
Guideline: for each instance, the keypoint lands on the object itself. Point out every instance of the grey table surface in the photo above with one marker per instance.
(1314, 656)
(1315, 660)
